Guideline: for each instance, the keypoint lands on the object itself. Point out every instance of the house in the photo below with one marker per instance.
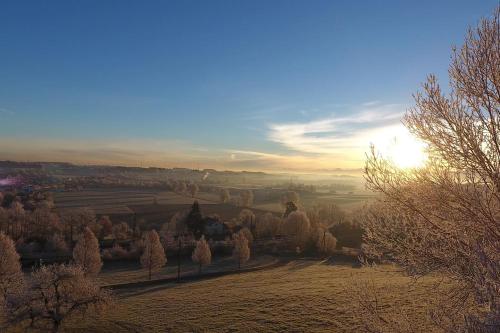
(214, 228)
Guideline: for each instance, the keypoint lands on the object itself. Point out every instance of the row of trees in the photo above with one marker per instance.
(56, 291)
(244, 199)
(152, 253)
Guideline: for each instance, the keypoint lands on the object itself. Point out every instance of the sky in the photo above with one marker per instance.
(267, 85)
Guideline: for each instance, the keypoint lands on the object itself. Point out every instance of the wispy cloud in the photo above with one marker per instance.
(339, 136)
(255, 160)
(328, 143)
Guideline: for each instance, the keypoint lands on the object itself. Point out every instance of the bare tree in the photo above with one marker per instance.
(57, 243)
(153, 257)
(268, 225)
(241, 251)
(290, 196)
(121, 231)
(181, 187)
(55, 293)
(246, 198)
(325, 242)
(193, 189)
(43, 224)
(248, 235)
(297, 226)
(177, 223)
(202, 254)
(445, 216)
(11, 276)
(247, 218)
(76, 220)
(106, 226)
(4, 220)
(224, 195)
(17, 219)
(86, 253)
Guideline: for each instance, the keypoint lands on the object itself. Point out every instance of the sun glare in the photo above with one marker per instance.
(401, 147)
(407, 153)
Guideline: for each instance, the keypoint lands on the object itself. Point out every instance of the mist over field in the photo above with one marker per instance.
(250, 166)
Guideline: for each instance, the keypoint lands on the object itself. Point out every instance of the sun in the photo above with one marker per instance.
(407, 152)
(402, 148)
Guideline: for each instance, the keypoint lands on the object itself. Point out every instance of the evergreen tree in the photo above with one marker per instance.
(290, 208)
(194, 219)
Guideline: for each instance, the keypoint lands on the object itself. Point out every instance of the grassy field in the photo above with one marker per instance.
(117, 201)
(131, 271)
(156, 215)
(346, 201)
(302, 296)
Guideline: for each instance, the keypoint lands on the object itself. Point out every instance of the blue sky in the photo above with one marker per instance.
(258, 85)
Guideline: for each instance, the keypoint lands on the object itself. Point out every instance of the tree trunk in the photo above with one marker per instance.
(179, 260)
(150, 272)
(56, 326)
(199, 270)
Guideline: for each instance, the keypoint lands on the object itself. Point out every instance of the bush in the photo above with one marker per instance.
(348, 234)
(116, 252)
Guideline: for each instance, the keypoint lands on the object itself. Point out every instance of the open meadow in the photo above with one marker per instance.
(300, 296)
(156, 206)
(117, 200)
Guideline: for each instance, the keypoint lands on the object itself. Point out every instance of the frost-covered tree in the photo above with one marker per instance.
(326, 215)
(246, 198)
(57, 243)
(325, 242)
(153, 257)
(11, 276)
(241, 251)
(177, 223)
(181, 187)
(247, 218)
(248, 234)
(4, 220)
(77, 219)
(106, 226)
(290, 196)
(193, 189)
(444, 217)
(224, 195)
(86, 253)
(202, 254)
(290, 207)
(268, 225)
(121, 231)
(55, 293)
(297, 226)
(17, 219)
(43, 224)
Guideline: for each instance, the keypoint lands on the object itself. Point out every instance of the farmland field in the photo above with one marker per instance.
(346, 201)
(117, 201)
(301, 296)
(126, 201)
